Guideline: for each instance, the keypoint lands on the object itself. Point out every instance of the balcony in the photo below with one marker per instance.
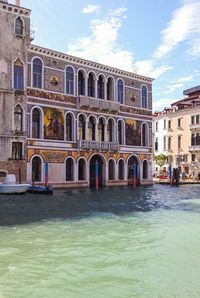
(195, 126)
(194, 148)
(96, 103)
(98, 145)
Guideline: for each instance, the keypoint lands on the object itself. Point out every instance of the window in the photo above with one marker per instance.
(17, 151)
(91, 129)
(144, 97)
(169, 143)
(120, 88)
(165, 124)
(164, 143)
(193, 157)
(156, 144)
(36, 169)
(101, 130)
(179, 142)
(110, 131)
(81, 83)
(144, 135)
(193, 140)
(19, 26)
(100, 88)
(197, 119)
(192, 119)
(18, 75)
(121, 170)
(197, 139)
(110, 89)
(69, 80)
(145, 169)
(18, 115)
(68, 127)
(36, 124)
(120, 133)
(69, 169)
(156, 126)
(91, 85)
(169, 124)
(81, 128)
(179, 122)
(111, 167)
(81, 169)
(37, 73)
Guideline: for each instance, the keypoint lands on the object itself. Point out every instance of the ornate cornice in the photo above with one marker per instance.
(97, 66)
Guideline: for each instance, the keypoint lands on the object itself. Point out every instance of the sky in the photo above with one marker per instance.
(157, 38)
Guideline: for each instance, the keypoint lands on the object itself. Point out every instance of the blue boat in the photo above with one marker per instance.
(41, 189)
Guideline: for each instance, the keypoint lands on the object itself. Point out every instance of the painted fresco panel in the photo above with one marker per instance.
(133, 132)
(53, 124)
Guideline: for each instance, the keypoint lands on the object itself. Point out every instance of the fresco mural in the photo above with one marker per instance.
(133, 132)
(53, 124)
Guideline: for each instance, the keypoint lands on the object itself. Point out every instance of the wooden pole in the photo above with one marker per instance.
(96, 174)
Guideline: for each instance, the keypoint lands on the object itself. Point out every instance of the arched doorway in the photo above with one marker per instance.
(145, 169)
(93, 160)
(133, 160)
(36, 169)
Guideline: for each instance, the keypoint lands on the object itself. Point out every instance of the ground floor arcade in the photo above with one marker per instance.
(80, 168)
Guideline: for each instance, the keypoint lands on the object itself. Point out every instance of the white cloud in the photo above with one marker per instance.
(162, 103)
(173, 87)
(148, 68)
(184, 25)
(90, 8)
(102, 45)
(184, 79)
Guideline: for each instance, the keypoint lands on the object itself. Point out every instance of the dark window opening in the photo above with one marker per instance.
(36, 124)
(111, 166)
(69, 80)
(69, 170)
(68, 127)
(100, 88)
(19, 26)
(37, 73)
(18, 118)
(81, 83)
(17, 151)
(91, 86)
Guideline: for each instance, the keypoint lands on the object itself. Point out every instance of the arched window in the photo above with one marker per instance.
(19, 26)
(110, 89)
(81, 126)
(121, 169)
(69, 80)
(37, 73)
(100, 87)
(144, 135)
(144, 97)
(110, 131)
(120, 132)
(193, 140)
(91, 85)
(36, 124)
(18, 118)
(120, 88)
(111, 169)
(69, 169)
(91, 129)
(36, 169)
(81, 169)
(81, 83)
(18, 75)
(101, 127)
(69, 127)
(145, 169)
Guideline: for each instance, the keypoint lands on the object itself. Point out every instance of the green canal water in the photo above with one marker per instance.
(118, 242)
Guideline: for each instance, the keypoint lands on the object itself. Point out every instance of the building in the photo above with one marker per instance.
(69, 112)
(181, 143)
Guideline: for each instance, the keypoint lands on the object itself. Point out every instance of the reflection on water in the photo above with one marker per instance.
(118, 242)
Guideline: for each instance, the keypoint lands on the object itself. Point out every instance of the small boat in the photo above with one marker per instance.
(9, 186)
(41, 189)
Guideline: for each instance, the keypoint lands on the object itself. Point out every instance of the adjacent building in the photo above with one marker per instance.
(176, 133)
(69, 112)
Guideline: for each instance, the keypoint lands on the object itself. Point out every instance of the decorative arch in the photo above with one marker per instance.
(110, 88)
(111, 168)
(120, 91)
(37, 73)
(81, 126)
(130, 161)
(121, 169)
(36, 167)
(69, 169)
(92, 123)
(144, 97)
(111, 129)
(19, 26)
(81, 78)
(82, 168)
(145, 134)
(102, 171)
(145, 169)
(70, 79)
(69, 126)
(18, 74)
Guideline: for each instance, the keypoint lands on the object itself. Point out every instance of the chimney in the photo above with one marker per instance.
(17, 2)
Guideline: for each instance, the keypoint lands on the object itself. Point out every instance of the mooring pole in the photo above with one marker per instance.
(170, 174)
(46, 174)
(20, 176)
(134, 175)
(96, 172)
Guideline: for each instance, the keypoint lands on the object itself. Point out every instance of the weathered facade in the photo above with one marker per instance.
(69, 112)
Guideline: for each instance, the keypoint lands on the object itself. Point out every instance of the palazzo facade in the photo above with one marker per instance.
(69, 112)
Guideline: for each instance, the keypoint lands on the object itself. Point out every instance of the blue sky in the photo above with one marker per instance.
(158, 38)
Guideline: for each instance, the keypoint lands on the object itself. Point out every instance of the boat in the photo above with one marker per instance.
(9, 185)
(41, 189)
